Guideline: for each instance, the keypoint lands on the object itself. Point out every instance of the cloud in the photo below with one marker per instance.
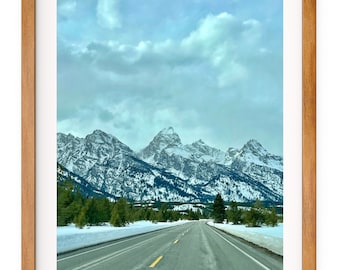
(66, 8)
(227, 43)
(214, 44)
(220, 81)
(107, 14)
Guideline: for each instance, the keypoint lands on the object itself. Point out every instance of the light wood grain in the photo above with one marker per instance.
(309, 136)
(28, 135)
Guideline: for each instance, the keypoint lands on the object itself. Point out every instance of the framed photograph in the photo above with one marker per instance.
(165, 113)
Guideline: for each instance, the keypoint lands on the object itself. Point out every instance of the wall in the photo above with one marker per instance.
(328, 134)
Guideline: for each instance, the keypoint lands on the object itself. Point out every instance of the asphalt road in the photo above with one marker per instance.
(192, 246)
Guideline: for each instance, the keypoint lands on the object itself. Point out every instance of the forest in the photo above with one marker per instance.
(73, 207)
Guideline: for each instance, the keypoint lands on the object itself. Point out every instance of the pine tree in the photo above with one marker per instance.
(233, 213)
(92, 211)
(120, 213)
(218, 212)
(82, 218)
(271, 217)
(153, 216)
(255, 217)
(103, 209)
(64, 199)
(163, 214)
(69, 203)
(175, 215)
(115, 218)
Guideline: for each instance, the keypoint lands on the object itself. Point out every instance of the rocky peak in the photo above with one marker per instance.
(202, 147)
(167, 136)
(63, 137)
(100, 137)
(188, 172)
(254, 147)
(199, 143)
(167, 131)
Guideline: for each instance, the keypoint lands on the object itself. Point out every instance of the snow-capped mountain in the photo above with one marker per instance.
(79, 183)
(168, 143)
(164, 139)
(167, 170)
(112, 167)
(254, 160)
(80, 155)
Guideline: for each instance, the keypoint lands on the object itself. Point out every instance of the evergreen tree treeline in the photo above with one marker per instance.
(256, 216)
(73, 208)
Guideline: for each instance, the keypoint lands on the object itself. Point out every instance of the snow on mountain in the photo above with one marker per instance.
(167, 142)
(205, 153)
(230, 155)
(170, 171)
(79, 155)
(112, 167)
(253, 152)
(80, 184)
(255, 161)
(164, 139)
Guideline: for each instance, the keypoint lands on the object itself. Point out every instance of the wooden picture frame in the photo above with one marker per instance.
(309, 134)
(28, 164)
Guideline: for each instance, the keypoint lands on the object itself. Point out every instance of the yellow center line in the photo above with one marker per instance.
(156, 262)
(176, 241)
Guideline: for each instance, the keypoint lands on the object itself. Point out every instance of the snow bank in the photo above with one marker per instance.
(270, 238)
(70, 237)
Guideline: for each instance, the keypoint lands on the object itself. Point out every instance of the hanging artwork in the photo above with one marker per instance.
(170, 134)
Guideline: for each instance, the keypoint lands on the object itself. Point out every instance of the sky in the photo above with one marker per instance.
(211, 69)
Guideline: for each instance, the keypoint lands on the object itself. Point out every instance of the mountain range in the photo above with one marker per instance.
(168, 170)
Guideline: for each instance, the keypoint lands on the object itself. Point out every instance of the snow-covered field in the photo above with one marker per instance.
(70, 237)
(268, 237)
(188, 206)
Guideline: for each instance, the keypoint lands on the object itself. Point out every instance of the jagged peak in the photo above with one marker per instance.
(253, 142)
(101, 137)
(199, 142)
(61, 134)
(66, 137)
(96, 134)
(254, 146)
(167, 131)
(99, 132)
(169, 135)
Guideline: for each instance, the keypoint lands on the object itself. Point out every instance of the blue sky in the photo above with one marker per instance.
(210, 69)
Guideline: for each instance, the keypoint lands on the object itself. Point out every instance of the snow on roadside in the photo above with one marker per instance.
(268, 237)
(70, 237)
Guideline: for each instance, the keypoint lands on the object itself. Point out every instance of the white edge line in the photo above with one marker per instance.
(110, 256)
(95, 249)
(116, 243)
(115, 254)
(106, 246)
(242, 251)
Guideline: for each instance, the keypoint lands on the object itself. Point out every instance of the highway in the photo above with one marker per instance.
(192, 246)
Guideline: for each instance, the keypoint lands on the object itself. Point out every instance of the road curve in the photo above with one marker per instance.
(192, 246)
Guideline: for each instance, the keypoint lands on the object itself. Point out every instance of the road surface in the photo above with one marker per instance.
(192, 246)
